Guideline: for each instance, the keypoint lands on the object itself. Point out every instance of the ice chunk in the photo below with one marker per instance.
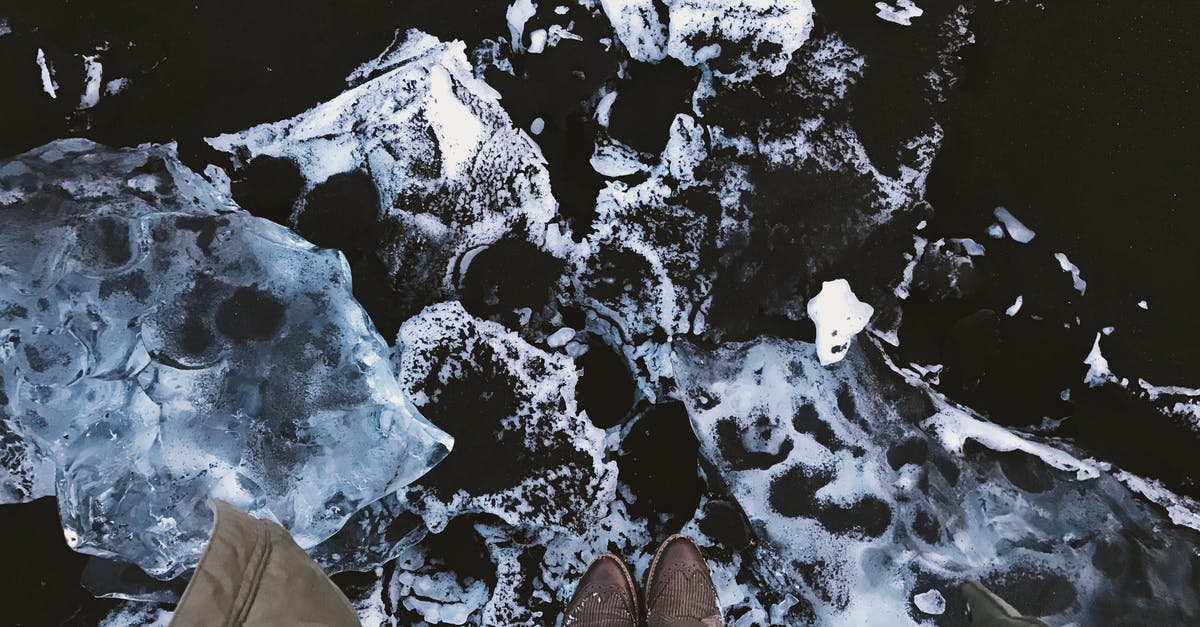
(162, 347)
(516, 15)
(93, 74)
(638, 27)
(1098, 371)
(860, 510)
(838, 316)
(1015, 307)
(504, 400)
(1016, 230)
(751, 37)
(48, 84)
(1067, 266)
(452, 172)
(930, 602)
(901, 13)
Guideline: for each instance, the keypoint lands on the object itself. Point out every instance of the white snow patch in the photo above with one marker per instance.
(930, 602)
(1015, 307)
(1016, 229)
(1184, 511)
(48, 84)
(1067, 266)
(901, 13)
(93, 74)
(838, 316)
(637, 25)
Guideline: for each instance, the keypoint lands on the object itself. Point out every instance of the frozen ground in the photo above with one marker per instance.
(736, 268)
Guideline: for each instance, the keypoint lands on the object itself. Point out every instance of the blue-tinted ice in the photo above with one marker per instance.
(160, 347)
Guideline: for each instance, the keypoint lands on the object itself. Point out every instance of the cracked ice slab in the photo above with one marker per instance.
(161, 347)
(852, 476)
(453, 173)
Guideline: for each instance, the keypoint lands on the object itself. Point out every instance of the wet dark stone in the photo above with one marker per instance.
(509, 275)
(268, 187)
(470, 408)
(822, 581)
(1033, 590)
(250, 314)
(133, 283)
(41, 360)
(911, 451)
(45, 589)
(605, 388)
(927, 527)
(725, 523)
(105, 242)
(972, 341)
(342, 212)
(807, 420)
(1109, 557)
(648, 98)
(732, 444)
(869, 516)
(793, 493)
(205, 228)
(659, 464)
(947, 468)
(1026, 471)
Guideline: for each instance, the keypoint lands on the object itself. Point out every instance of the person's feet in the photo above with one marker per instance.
(605, 596)
(679, 587)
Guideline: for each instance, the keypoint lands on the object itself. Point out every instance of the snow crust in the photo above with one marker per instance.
(1016, 229)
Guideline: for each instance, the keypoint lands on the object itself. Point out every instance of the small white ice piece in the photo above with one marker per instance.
(560, 337)
(995, 231)
(1016, 229)
(838, 316)
(1015, 307)
(537, 126)
(517, 14)
(93, 73)
(930, 602)
(1098, 371)
(1067, 266)
(902, 13)
(1143, 304)
(537, 41)
(116, 86)
(48, 84)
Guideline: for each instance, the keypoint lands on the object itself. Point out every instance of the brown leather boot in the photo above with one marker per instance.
(679, 587)
(605, 597)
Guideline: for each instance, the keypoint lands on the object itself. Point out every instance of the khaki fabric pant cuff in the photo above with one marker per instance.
(253, 573)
